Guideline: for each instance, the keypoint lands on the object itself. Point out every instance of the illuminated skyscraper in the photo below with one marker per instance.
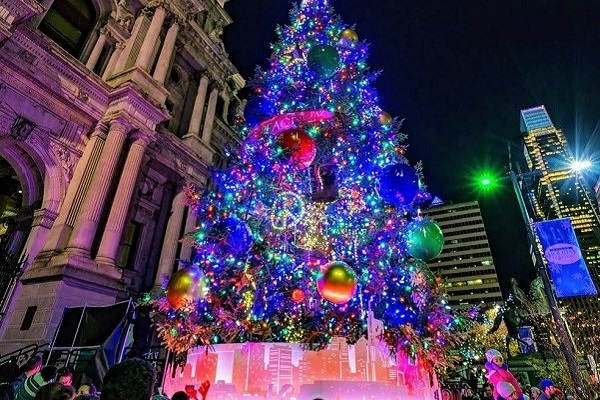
(559, 192)
(466, 262)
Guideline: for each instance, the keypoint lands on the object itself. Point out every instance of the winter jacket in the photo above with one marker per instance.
(501, 373)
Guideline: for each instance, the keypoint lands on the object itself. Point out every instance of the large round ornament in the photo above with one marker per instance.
(398, 184)
(232, 235)
(424, 239)
(348, 37)
(337, 282)
(385, 118)
(324, 60)
(259, 109)
(185, 286)
(300, 146)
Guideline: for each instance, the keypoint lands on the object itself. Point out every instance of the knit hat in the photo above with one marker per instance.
(534, 389)
(491, 353)
(505, 389)
(544, 383)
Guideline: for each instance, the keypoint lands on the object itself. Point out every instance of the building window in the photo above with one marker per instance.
(68, 23)
(129, 245)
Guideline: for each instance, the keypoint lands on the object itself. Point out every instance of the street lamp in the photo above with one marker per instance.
(487, 181)
(564, 339)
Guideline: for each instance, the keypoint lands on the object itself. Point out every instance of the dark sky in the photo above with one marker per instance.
(459, 72)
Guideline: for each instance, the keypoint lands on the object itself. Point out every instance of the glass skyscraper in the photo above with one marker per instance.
(559, 192)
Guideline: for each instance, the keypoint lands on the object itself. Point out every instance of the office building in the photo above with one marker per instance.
(466, 263)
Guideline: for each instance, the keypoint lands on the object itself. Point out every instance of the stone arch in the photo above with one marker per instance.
(42, 179)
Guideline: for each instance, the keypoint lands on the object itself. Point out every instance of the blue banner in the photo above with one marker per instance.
(526, 335)
(565, 263)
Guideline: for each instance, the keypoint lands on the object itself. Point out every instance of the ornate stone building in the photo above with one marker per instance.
(107, 110)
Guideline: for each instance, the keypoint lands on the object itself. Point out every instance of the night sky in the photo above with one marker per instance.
(459, 72)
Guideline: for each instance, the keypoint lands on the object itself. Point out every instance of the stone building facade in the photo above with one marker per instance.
(108, 108)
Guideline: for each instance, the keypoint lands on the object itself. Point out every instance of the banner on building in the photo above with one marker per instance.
(565, 262)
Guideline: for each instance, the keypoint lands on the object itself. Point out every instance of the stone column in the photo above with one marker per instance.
(130, 48)
(43, 220)
(86, 224)
(196, 118)
(109, 246)
(190, 226)
(112, 61)
(145, 56)
(210, 115)
(166, 53)
(78, 187)
(225, 115)
(166, 263)
(97, 50)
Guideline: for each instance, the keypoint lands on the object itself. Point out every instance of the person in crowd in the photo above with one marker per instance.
(158, 395)
(6, 391)
(30, 368)
(534, 393)
(547, 389)
(65, 377)
(86, 397)
(180, 396)
(469, 393)
(488, 391)
(497, 371)
(506, 391)
(87, 388)
(132, 379)
(32, 384)
(558, 394)
(55, 391)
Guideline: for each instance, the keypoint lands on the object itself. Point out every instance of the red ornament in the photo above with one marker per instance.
(300, 146)
(298, 296)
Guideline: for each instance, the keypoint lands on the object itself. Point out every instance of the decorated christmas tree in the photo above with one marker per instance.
(315, 223)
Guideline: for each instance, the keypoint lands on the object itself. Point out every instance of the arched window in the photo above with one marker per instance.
(68, 23)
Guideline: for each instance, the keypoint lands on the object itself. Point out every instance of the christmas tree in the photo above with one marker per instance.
(315, 223)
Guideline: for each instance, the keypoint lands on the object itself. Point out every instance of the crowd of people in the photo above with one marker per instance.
(501, 384)
(135, 379)
(132, 379)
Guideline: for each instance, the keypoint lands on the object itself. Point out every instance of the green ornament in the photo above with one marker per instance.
(424, 240)
(324, 60)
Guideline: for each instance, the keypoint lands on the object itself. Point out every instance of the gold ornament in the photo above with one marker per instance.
(348, 37)
(185, 286)
(337, 282)
(385, 118)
